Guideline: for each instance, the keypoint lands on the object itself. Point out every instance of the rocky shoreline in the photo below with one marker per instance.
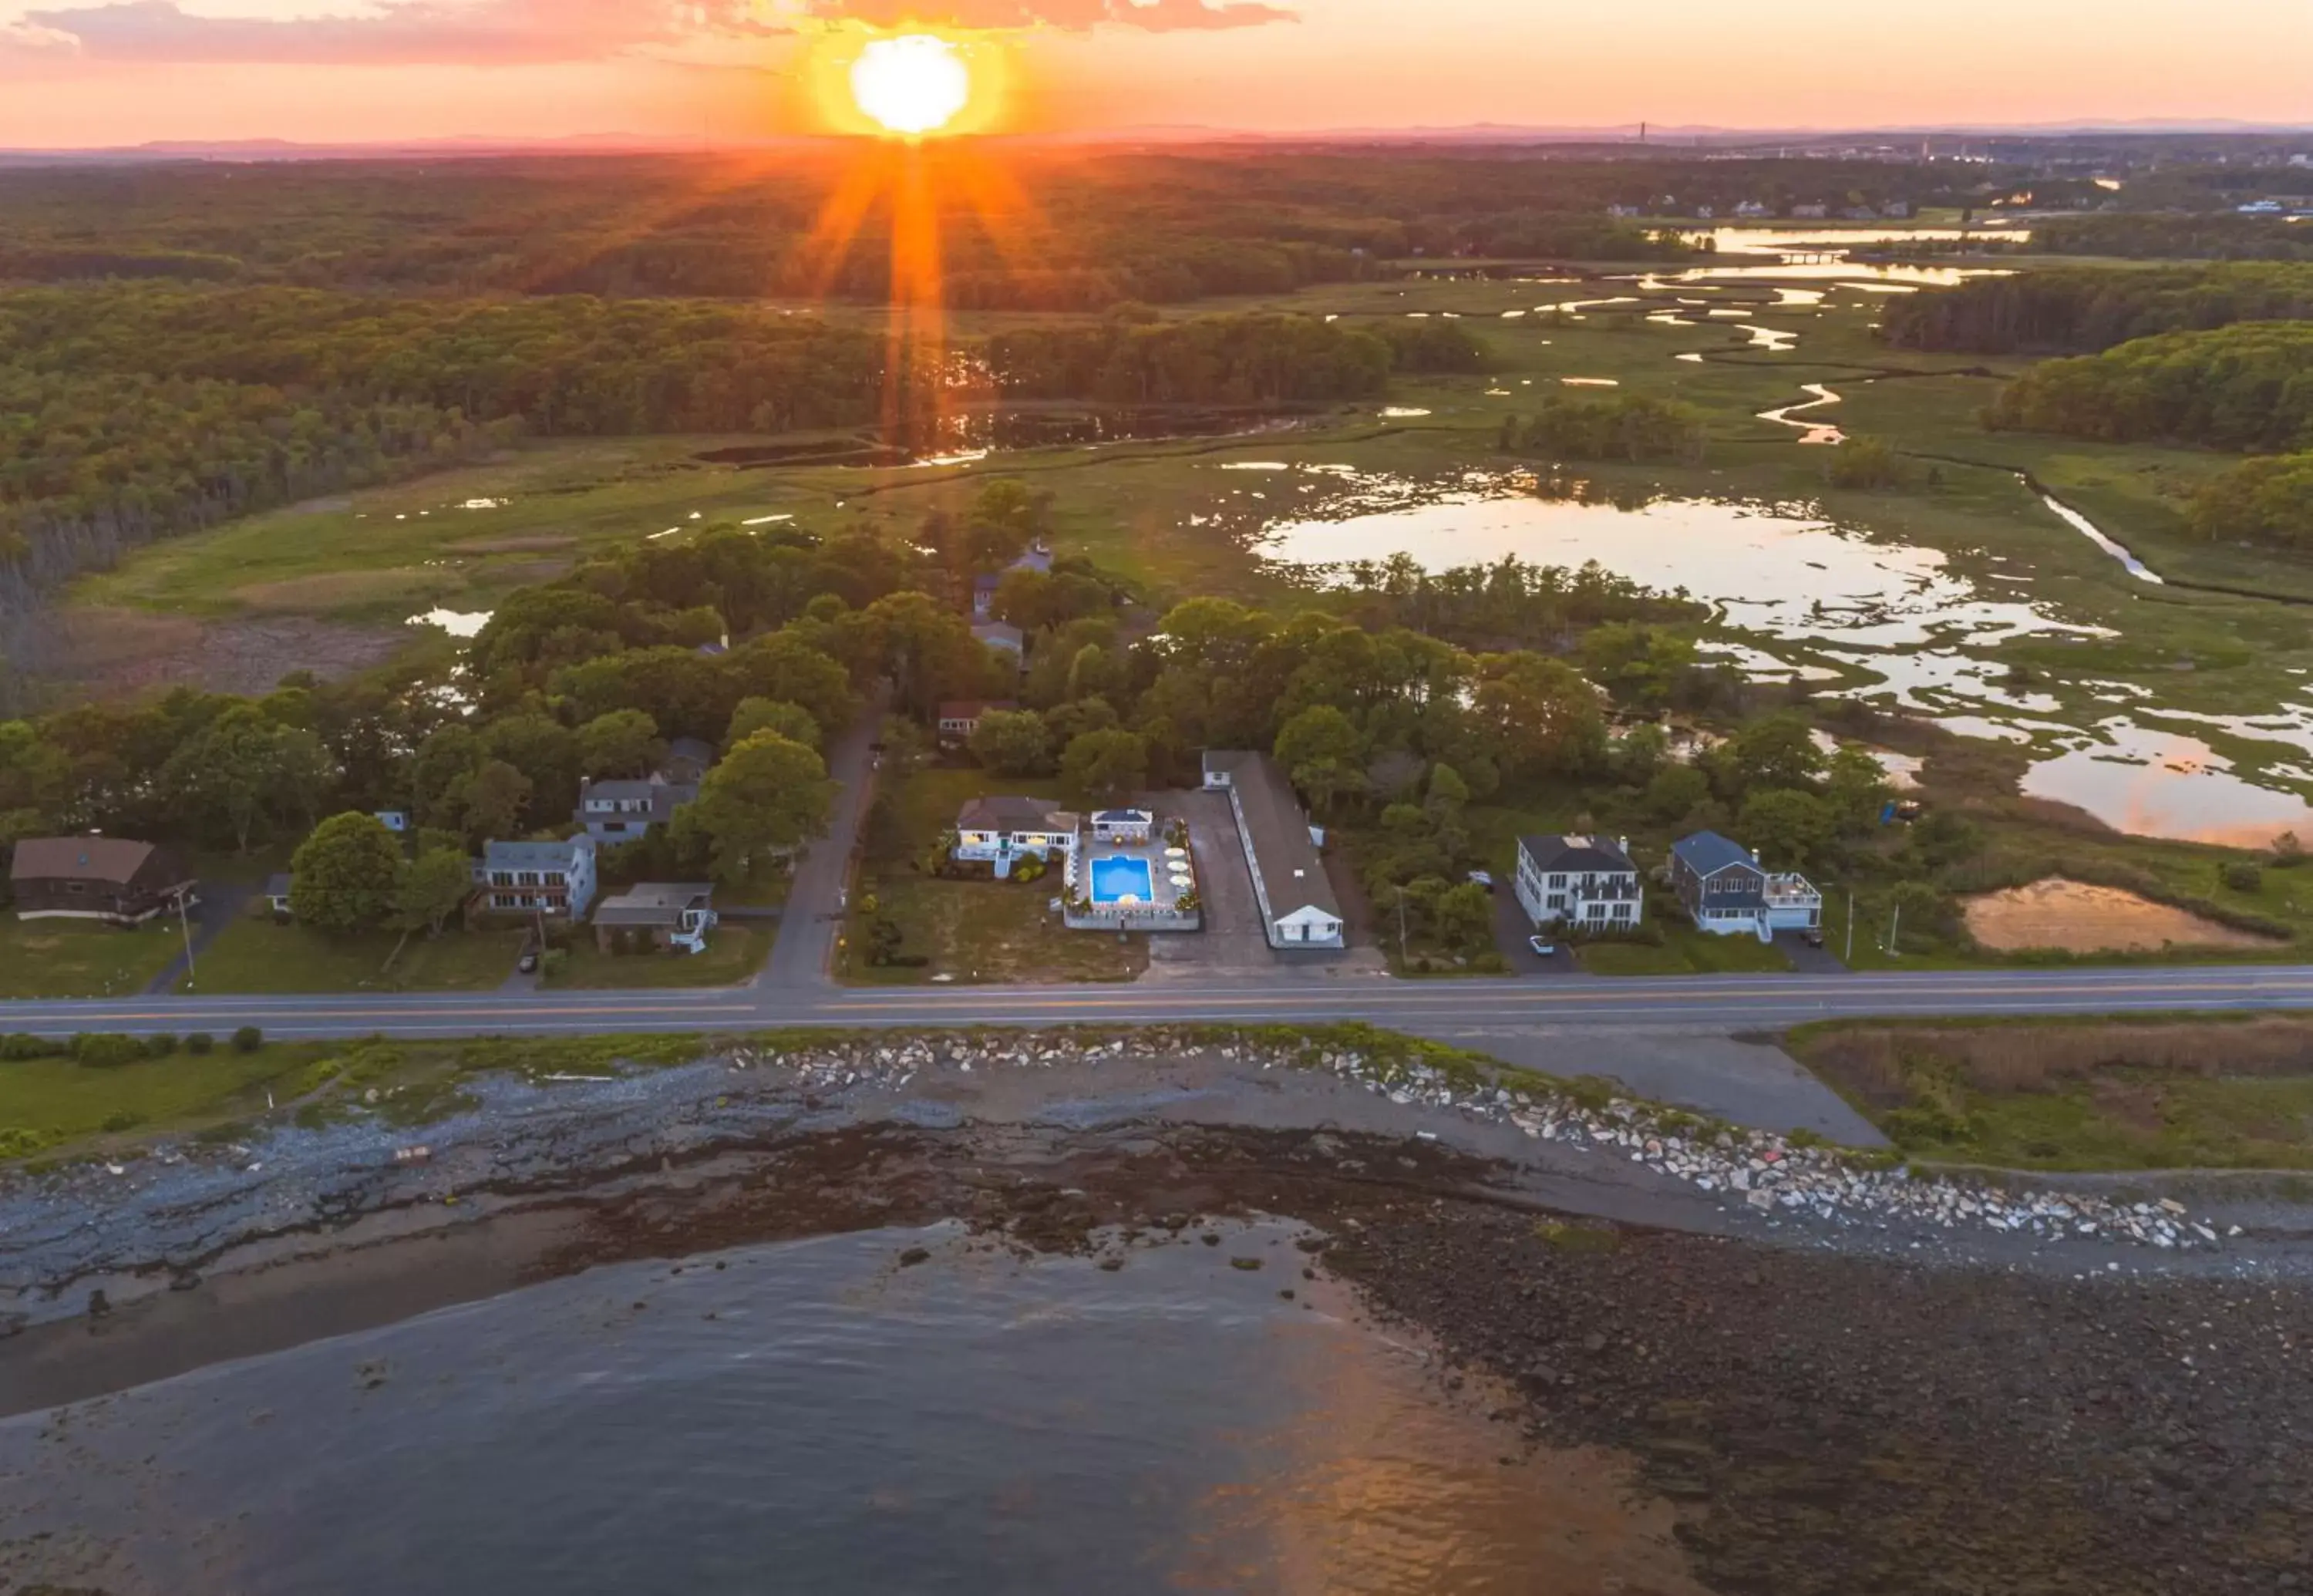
(1908, 1397)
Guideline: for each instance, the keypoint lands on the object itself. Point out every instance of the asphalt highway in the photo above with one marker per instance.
(1434, 1007)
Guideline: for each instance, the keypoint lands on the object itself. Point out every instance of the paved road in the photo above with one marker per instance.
(814, 914)
(1444, 1009)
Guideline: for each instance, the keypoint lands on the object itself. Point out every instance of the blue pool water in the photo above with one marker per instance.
(1115, 879)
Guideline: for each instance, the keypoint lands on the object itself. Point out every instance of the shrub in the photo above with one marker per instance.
(552, 961)
(161, 1043)
(2241, 875)
(200, 1041)
(17, 1142)
(104, 1050)
(124, 1119)
(248, 1039)
(21, 1046)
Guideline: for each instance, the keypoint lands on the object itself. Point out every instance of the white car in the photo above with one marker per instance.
(1485, 878)
(1543, 947)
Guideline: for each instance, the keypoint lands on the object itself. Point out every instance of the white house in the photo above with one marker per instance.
(1128, 827)
(998, 831)
(674, 916)
(555, 880)
(1582, 883)
(1297, 905)
(1728, 893)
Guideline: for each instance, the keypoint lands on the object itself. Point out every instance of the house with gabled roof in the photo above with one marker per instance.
(1583, 883)
(1728, 893)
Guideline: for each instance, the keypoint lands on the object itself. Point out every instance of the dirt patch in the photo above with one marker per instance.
(2081, 918)
(111, 653)
(540, 544)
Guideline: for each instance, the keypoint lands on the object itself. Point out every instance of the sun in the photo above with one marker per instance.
(912, 86)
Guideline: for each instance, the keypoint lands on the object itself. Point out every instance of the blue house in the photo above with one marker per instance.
(1728, 893)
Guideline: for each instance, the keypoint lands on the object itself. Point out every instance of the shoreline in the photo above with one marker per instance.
(207, 1254)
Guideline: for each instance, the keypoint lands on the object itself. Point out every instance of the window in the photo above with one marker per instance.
(1558, 880)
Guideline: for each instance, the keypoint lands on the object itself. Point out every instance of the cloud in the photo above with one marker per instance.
(1153, 16)
(398, 32)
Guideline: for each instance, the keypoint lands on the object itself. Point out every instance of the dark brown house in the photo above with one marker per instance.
(109, 878)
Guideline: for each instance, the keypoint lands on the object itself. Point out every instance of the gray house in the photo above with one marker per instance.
(1728, 893)
(555, 880)
(615, 812)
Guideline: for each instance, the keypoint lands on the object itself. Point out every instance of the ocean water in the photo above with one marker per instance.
(814, 1417)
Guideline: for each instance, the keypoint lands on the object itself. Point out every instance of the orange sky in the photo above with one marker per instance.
(75, 73)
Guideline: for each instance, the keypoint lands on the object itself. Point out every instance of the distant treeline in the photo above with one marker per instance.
(1027, 230)
(2136, 235)
(2248, 386)
(2085, 310)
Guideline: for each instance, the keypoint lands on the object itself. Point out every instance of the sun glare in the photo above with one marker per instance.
(911, 85)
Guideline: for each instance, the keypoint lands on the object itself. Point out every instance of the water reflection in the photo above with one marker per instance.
(810, 1417)
(2142, 778)
(458, 623)
(1810, 432)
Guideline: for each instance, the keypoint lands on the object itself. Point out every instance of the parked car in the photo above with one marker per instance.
(528, 962)
(1485, 878)
(1542, 947)
(1813, 936)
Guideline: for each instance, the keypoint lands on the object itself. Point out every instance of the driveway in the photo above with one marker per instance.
(1231, 941)
(222, 902)
(1806, 960)
(814, 914)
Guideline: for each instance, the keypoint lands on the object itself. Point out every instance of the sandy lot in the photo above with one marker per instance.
(2079, 918)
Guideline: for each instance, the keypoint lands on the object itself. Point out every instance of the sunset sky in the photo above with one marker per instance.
(78, 75)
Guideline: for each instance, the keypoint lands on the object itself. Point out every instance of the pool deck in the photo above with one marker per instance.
(1159, 910)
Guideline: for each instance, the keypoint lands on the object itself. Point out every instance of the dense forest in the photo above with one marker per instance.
(2167, 236)
(2088, 310)
(2246, 387)
(1020, 228)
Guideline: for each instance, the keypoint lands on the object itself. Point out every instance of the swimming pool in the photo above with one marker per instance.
(1116, 879)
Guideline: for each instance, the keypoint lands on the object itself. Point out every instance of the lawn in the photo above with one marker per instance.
(2094, 1093)
(255, 954)
(65, 958)
(989, 932)
(735, 950)
(1684, 951)
(968, 930)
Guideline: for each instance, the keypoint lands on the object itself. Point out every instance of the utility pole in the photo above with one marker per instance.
(1850, 925)
(1401, 924)
(1895, 929)
(185, 925)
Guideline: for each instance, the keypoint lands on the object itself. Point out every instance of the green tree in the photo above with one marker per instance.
(1104, 767)
(622, 744)
(430, 888)
(232, 767)
(1012, 742)
(1675, 790)
(343, 875)
(1323, 754)
(494, 800)
(1857, 790)
(1464, 917)
(1789, 828)
(789, 720)
(1774, 751)
(769, 794)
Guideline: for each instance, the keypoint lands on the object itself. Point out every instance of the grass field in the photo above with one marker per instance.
(63, 958)
(1684, 951)
(736, 951)
(968, 930)
(2091, 1094)
(54, 1103)
(255, 954)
